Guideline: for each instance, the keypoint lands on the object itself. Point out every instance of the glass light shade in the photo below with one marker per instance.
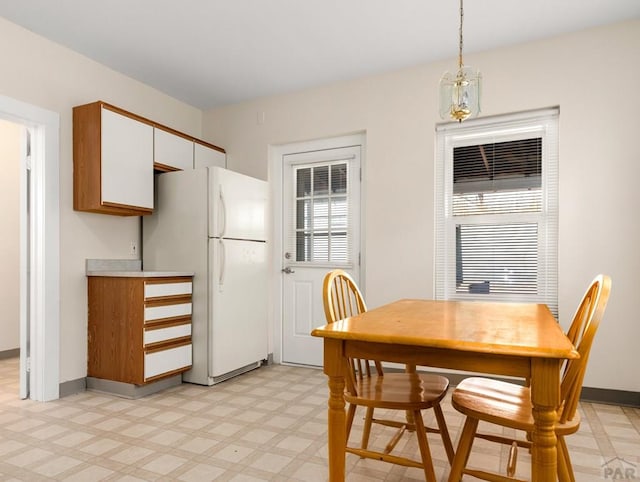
(460, 94)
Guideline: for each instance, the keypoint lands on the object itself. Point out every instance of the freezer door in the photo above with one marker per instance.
(238, 318)
(238, 205)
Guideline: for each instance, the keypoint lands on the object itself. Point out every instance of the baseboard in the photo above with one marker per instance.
(609, 396)
(14, 353)
(129, 390)
(72, 387)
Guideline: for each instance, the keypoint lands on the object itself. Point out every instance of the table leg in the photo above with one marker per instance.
(410, 368)
(545, 396)
(337, 436)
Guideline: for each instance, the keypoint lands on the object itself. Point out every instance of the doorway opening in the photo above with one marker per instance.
(13, 144)
(39, 310)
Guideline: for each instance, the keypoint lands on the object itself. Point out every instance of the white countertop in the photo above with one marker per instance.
(139, 274)
(126, 268)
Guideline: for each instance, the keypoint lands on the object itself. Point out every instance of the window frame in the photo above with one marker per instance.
(540, 123)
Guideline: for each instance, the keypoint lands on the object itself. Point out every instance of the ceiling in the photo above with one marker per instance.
(209, 53)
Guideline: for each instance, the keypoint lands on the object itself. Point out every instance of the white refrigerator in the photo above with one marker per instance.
(212, 221)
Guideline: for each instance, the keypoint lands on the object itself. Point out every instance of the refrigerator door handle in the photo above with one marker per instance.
(223, 214)
(222, 256)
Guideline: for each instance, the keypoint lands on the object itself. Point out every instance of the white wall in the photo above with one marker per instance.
(10, 136)
(590, 75)
(44, 74)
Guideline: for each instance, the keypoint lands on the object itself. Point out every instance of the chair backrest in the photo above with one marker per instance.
(342, 298)
(581, 333)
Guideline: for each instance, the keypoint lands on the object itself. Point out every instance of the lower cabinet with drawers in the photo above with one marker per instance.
(139, 327)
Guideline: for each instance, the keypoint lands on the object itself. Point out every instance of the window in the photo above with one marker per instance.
(321, 213)
(497, 209)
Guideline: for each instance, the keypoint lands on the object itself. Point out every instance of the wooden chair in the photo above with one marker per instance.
(509, 405)
(369, 386)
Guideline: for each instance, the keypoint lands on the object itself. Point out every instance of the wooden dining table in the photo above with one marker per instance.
(506, 339)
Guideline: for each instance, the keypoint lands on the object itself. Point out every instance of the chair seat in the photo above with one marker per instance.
(502, 403)
(400, 391)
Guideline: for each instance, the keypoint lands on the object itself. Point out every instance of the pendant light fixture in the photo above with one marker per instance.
(460, 92)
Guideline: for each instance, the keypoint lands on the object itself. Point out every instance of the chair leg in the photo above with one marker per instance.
(565, 471)
(464, 449)
(351, 413)
(366, 431)
(444, 432)
(423, 443)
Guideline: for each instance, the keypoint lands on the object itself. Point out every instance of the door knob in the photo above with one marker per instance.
(287, 270)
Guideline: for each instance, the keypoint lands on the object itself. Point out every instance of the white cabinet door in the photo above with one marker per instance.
(126, 161)
(172, 150)
(204, 156)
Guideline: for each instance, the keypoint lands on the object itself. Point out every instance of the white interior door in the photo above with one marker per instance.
(321, 231)
(26, 255)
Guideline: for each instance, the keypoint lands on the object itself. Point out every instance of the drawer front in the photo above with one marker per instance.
(169, 333)
(166, 311)
(154, 290)
(166, 361)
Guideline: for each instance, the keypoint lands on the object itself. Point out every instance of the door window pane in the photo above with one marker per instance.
(339, 178)
(322, 213)
(321, 180)
(303, 182)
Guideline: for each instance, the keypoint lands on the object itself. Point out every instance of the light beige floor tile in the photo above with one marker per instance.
(10, 446)
(131, 455)
(100, 446)
(259, 436)
(168, 438)
(232, 453)
(295, 444)
(271, 462)
(137, 430)
(198, 445)
(90, 474)
(56, 466)
(225, 429)
(74, 439)
(163, 464)
(28, 457)
(201, 472)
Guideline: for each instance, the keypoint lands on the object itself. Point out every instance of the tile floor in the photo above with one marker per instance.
(269, 424)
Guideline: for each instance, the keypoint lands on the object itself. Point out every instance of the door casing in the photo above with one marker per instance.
(276, 153)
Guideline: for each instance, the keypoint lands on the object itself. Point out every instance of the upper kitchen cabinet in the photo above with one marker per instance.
(115, 155)
(172, 151)
(112, 161)
(206, 155)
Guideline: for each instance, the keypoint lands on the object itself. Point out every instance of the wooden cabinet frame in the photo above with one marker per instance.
(116, 327)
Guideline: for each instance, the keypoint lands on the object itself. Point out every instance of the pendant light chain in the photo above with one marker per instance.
(461, 42)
